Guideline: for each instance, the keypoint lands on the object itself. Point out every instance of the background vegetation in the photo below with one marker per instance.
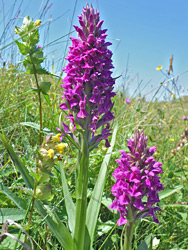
(162, 124)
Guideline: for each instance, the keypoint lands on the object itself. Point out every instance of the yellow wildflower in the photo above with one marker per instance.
(37, 22)
(50, 153)
(60, 147)
(173, 95)
(159, 67)
(56, 138)
(16, 31)
(171, 139)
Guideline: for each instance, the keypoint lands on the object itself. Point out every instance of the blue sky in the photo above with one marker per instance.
(144, 32)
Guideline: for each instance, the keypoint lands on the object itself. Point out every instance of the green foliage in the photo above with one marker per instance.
(19, 123)
(11, 214)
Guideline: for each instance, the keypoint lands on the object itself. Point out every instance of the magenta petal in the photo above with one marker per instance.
(114, 205)
(121, 221)
(82, 114)
(66, 128)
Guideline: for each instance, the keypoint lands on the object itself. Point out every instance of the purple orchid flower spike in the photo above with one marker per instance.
(136, 178)
(88, 85)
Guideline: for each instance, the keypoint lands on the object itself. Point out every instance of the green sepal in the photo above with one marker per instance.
(45, 87)
(44, 192)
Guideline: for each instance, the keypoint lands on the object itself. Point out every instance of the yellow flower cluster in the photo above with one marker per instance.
(60, 147)
(51, 147)
(159, 67)
(37, 22)
(56, 138)
(50, 153)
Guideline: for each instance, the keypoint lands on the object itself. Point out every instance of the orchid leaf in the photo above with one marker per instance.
(95, 201)
(70, 207)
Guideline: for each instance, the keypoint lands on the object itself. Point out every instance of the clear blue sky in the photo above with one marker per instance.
(147, 32)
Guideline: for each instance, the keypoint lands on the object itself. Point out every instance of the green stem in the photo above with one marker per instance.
(129, 229)
(81, 194)
(40, 141)
(40, 99)
(23, 222)
(128, 235)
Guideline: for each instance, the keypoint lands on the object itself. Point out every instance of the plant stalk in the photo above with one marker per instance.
(40, 100)
(40, 141)
(81, 194)
(128, 235)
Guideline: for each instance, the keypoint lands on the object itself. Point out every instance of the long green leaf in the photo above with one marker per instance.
(70, 207)
(167, 192)
(11, 214)
(36, 126)
(29, 181)
(20, 203)
(95, 201)
(56, 226)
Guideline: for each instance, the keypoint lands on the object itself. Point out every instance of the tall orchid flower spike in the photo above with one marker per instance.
(87, 92)
(88, 85)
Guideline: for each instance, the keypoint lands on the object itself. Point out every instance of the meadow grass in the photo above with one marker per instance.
(161, 122)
